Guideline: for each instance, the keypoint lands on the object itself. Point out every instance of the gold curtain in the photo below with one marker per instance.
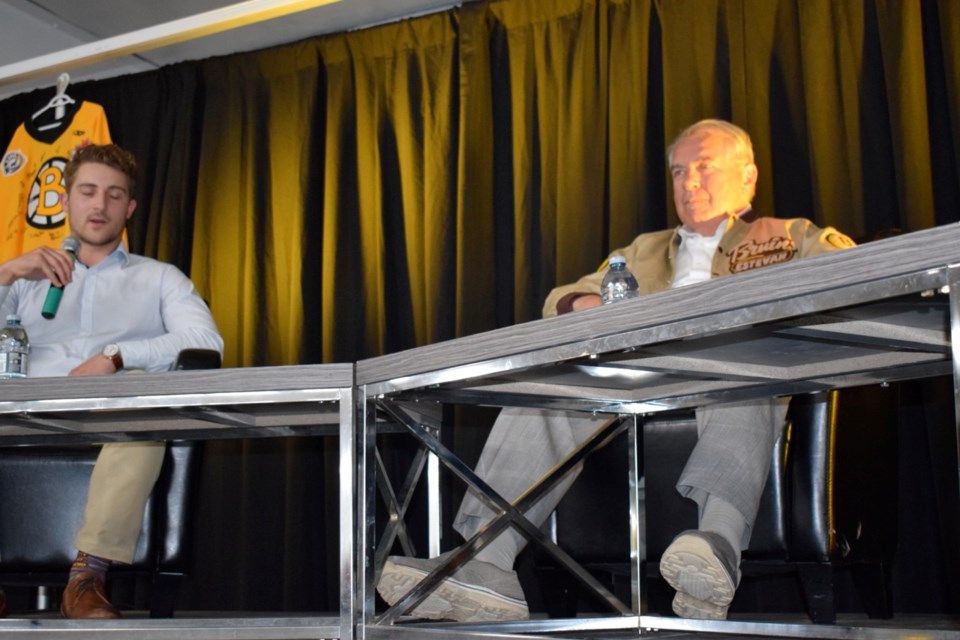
(372, 191)
(248, 240)
(389, 140)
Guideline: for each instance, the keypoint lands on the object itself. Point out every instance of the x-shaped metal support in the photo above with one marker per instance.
(507, 513)
(397, 505)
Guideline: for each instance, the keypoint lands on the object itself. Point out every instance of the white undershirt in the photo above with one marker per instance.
(695, 256)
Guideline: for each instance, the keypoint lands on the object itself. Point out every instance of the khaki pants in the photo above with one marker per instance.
(120, 485)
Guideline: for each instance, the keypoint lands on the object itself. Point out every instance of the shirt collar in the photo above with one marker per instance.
(121, 252)
(687, 234)
(721, 228)
(120, 255)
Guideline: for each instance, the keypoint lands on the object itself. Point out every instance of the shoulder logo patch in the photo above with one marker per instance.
(840, 241)
(13, 161)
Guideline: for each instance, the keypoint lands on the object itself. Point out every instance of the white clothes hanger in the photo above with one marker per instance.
(58, 103)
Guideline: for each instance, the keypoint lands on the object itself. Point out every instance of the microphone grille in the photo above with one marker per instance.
(70, 244)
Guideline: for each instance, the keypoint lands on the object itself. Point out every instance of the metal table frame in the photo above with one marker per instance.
(202, 404)
(871, 315)
(665, 351)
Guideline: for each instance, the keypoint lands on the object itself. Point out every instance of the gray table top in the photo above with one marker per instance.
(215, 403)
(846, 318)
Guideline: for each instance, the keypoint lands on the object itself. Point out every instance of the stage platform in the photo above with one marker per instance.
(871, 315)
(267, 626)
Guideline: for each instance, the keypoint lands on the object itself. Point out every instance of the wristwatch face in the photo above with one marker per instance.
(112, 352)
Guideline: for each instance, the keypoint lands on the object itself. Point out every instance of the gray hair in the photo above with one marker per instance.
(742, 145)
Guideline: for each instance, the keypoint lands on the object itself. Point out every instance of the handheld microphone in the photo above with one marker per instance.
(52, 302)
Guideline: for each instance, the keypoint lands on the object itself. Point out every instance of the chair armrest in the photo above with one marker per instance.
(197, 359)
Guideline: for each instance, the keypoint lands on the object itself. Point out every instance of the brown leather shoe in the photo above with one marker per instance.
(84, 597)
(3, 605)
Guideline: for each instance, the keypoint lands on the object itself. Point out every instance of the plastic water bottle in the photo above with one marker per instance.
(618, 283)
(14, 348)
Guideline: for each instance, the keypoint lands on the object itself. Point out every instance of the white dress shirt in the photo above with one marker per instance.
(149, 308)
(694, 262)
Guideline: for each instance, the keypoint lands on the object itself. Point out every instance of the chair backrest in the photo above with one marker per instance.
(831, 494)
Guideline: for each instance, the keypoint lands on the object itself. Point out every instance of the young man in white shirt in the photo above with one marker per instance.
(118, 311)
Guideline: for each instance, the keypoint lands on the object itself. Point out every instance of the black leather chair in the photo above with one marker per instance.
(43, 491)
(830, 502)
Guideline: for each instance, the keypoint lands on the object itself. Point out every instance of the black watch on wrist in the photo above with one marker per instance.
(112, 353)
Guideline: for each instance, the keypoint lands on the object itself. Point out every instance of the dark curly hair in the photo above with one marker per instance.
(108, 154)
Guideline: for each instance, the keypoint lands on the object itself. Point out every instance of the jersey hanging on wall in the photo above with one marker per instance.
(31, 177)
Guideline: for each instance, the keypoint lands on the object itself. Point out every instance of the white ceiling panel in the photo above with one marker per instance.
(35, 28)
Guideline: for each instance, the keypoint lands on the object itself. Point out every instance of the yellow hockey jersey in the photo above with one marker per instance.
(31, 178)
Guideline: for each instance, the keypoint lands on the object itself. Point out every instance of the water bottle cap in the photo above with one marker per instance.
(617, 260)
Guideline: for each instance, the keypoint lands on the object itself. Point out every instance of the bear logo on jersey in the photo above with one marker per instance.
(44, 207)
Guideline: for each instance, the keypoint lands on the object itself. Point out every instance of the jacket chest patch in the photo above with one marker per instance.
(754, 254)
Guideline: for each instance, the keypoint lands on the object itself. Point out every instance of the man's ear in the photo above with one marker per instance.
(750, 175)
(131, 207)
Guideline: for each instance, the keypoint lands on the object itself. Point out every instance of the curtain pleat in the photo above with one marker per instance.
(367, 192)
(389, 182)
(248, 247)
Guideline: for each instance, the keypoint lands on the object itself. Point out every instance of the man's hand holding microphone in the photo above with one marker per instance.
(71, 246)
(43, 262)
(55, 265)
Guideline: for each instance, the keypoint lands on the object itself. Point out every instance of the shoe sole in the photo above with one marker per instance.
(692, 567)
(451, 600)
(686, 606)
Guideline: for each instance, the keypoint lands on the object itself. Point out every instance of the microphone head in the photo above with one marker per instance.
(70, 245)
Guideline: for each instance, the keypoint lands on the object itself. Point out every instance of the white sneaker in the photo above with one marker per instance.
(704, 569)
(686, 606)
(477, 592)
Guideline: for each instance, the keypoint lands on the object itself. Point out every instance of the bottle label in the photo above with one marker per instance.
(617, 291)
(12, 364)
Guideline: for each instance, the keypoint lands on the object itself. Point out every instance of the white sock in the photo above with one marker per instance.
(721, 517)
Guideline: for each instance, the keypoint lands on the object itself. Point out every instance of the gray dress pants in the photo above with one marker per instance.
(731, 459)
